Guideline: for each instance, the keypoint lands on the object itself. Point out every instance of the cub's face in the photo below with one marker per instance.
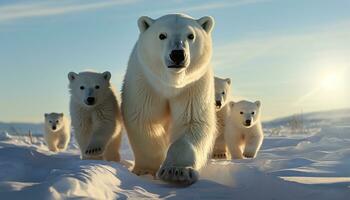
(54, 121)
(89, 88)
(174, 46)
(245, 113)
(222, 92)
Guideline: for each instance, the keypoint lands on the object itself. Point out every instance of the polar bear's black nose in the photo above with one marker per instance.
(54, 127)
(218, 103)
(248, 122)
(90, 101)
(177, 56)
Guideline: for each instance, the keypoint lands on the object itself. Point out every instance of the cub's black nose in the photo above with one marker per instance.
(248, 121)
(54, 127)
(177, 56)
(90, 101)
(218, 103)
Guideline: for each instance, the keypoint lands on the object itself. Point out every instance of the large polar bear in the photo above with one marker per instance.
(96, 117)
(243, 133)
(222, 96)
(57, 131)
(168, 97)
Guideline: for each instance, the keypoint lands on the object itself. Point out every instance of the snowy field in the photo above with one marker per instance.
(303, 157)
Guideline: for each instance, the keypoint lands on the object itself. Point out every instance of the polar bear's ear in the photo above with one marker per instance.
(228, 80)
(144, 23)
(207, 23)
(107, 75)
(61, 114)
(72, 76)
(258, 103)
(45, 115)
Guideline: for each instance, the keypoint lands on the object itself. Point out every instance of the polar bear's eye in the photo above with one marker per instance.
(241, 113)
(190, 36)
(56, 121)
(97, 87)
(50, 121)
(253, 113)
(223, 93)
(162, 36)
(82, 87)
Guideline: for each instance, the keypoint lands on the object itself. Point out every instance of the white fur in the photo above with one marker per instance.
(242, 139)
(97, 127)
(222, 96)
(57, 131)
(222, 92)
(169, 113)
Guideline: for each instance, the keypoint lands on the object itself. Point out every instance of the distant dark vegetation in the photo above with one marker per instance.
(307, 123)
(21, 128)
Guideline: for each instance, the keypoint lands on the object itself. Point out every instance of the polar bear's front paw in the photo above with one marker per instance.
(141, 172)
(55, 150)
(94, 150)
(61, 146)
(220, 155)
(178, 175)
(249, 154)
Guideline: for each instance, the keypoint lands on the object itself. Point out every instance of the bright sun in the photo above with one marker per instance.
(330, 81)
(329, 86)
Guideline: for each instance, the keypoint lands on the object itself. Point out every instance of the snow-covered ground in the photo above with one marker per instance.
(304, 157)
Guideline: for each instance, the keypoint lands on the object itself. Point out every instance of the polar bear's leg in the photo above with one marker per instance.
(82, 137)
(235, 151)
(102, 132)
(190, 151)
(52, 147)
(63, 141)
(234, 141)
(194, 124)
(112, 151)
(52, 144)
(146, 118)
(219, 151)
(252, 146)
(149, 146)
(220, 148)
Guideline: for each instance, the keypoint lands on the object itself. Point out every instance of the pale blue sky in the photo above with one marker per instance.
(278, 51)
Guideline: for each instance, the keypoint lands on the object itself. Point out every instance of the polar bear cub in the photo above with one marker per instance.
(222, 96)
(95, 114)
(57, 131)
(168, 97)
(222, 92)
(243, 133)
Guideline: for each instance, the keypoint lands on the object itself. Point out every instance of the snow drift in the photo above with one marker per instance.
(312, 165)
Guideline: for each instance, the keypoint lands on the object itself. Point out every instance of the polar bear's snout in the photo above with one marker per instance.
(178, 58)
(218, 104)
(248, 122)
(90, 101)
(219, 100)
(178, 54)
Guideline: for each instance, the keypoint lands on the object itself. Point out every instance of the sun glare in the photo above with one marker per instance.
(330, 86)
(331, 81)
